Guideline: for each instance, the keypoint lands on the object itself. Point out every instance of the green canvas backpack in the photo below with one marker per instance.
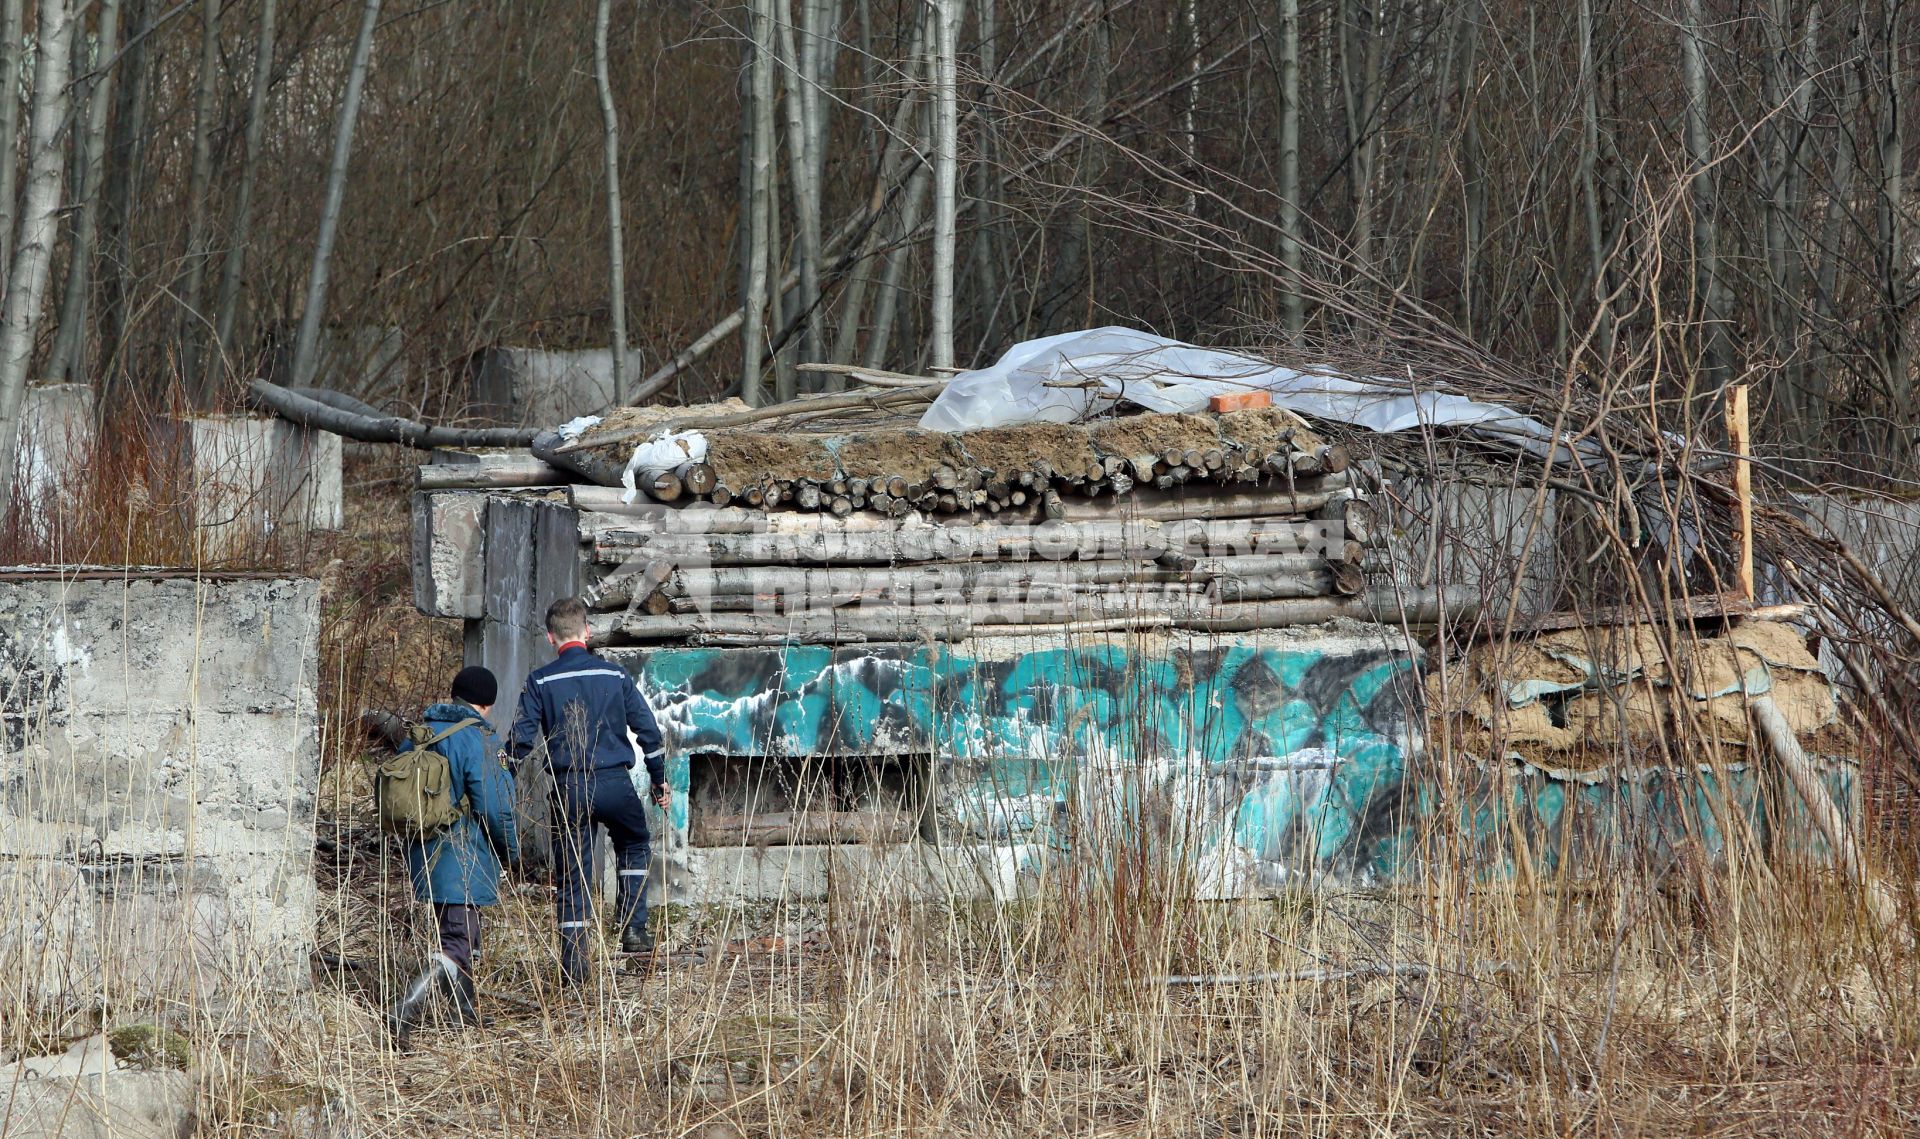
(413, 791)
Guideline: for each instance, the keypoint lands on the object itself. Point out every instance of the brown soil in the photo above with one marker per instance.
(742, 459)
(908, 452)
(1133, 435)
(1264, 431)
(1003, 450)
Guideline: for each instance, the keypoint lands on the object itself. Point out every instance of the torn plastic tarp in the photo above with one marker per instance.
(1066, 378)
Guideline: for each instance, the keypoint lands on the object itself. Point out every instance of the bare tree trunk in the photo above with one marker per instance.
(1589, 183)
(1361, 47)
(227, 303)
(801, 138)
(307, 344)
(756, 196)
(1706, 258)
(1293, 305)
(616, 240)
(126, 168)
(946, 159)
(198, 190)
(1895, 273)
(852, 304)
(39, 229)
(985, 205)
(888, 304)
(12, 47)
(1473, 179)
(70, 332)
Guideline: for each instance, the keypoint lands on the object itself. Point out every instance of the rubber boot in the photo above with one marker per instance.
(466, 1011)
(634, 937)
(576, 960)
(437, 979)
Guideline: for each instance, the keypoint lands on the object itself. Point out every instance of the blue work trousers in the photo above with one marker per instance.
(581, 800)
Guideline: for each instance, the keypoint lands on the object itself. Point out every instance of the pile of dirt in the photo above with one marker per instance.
(908, 452)
(1582, 699)
(742, 459)
(1263, 431)
(1142, 435)
(1058, 448)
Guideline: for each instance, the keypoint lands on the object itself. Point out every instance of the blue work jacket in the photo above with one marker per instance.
(581, 707)
(461, 865)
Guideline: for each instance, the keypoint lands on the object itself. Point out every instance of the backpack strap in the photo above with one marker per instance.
(469, 722)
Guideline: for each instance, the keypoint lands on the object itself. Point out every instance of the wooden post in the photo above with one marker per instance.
(1740, 441)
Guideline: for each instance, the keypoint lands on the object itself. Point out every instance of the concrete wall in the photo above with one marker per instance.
(1277, 758)
(254, 477)
(530, 387)
(56, 441)
(156, 785)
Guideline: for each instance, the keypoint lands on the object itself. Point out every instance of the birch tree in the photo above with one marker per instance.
(616, 240)
(756, 195)
(946, 165)
(306, 344)
(12, 33)
(233, 266)
(1706, 239)
(70, 334)
(198, 190)
(39, 230)
(1293, 306)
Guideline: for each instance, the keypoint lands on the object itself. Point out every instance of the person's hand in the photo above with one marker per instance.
(663, 795)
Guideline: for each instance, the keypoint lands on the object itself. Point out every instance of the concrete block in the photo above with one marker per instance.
(56, 441)
(85, 1093)
(531, 387)
(449, 551)
(254, 476)
(158, 782)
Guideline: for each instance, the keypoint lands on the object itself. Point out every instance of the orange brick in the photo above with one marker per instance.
(1241, 401)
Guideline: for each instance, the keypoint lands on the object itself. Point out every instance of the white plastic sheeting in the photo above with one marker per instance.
(1065, 378)
(662, 453)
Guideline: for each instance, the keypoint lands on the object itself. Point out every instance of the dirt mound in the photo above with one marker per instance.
(1264, 431)
(1055, 447)
(742, 459)
(909, 452)
(1142, 435)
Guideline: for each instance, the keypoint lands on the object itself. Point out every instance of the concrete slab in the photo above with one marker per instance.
(157, 784)
(532, 387)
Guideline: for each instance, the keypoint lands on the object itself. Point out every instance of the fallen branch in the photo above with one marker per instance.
(308, 412)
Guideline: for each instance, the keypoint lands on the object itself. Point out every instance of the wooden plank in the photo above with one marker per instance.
(802, 828)
(1741, 444)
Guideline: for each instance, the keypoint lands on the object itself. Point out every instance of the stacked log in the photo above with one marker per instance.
(1233, 522)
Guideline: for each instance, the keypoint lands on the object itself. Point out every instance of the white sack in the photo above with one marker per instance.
(663, 453)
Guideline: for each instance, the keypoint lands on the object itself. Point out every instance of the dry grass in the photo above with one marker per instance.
(1744, 999)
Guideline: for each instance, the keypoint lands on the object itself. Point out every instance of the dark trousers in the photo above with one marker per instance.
(582, 800)
(459, 933)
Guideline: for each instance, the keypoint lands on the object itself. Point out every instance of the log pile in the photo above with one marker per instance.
(877, 531)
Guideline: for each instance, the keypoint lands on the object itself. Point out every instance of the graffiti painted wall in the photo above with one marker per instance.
(1265, 761)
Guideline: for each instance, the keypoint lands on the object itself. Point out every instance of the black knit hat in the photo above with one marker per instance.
(476, 686)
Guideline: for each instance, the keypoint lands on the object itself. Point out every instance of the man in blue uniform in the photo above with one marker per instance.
(581, 709)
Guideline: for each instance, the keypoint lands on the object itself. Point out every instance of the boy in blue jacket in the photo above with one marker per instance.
(457, 871)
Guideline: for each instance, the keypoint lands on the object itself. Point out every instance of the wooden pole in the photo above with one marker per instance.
(1740, 441)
